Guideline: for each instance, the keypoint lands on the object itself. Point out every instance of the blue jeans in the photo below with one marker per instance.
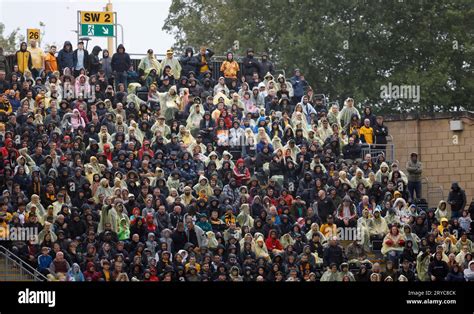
(121, 77)
(394, 256)
(414, 187)
(456, 214)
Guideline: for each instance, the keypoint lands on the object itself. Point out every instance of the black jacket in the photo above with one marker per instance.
(326, 207)
(457, 198)
(410, 274)
(207, 57)
(250, 65)
(189, 62)
(380, 133)
(439, 269)
(121, 61)
(265, 67)
(94, 61)
(351, 151)
(333, 254)
(85, 60)
(65, 57)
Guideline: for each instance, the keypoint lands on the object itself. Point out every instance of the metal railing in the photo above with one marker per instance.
(376, 149)
(433, 193)
(215, 63)
(13, 268)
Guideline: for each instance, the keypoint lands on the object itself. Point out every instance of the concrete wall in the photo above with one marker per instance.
(444, 159)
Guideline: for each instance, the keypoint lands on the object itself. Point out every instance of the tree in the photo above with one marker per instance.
(9, 43)
(347, 48)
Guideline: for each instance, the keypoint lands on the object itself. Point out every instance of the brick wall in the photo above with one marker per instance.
(444, 161)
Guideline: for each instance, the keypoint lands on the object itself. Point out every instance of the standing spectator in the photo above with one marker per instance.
(189, 62)
(308, 108)
(457, 200)
(94, 62)
(415, 169)
(172, 62)
(80, 58)
(4, 66)
(106, 65)
(50, 60)
(230, 69)
(369, 115)
(266, 66)
(4, 85)
(37, 59)
(366, 133)
(204, 57)
(120, 64)
(65, 57)
(345, 115)
(299, 84)
(148, 63)
(23, 58)
(250, 66)
(380, 133)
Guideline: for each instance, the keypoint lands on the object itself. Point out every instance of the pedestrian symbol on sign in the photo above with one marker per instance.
(90, 30)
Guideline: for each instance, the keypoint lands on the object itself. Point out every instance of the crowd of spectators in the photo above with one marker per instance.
(161, 173)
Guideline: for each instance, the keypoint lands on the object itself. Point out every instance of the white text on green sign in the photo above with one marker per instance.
(102, 30)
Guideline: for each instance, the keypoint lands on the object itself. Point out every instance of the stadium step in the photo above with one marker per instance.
(10, 271)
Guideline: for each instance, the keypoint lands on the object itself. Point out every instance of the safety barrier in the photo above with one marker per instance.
(215, 63)
(376, 149)
(433, 193)
(13, 268)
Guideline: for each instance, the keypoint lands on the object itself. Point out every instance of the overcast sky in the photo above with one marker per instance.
(142, 21)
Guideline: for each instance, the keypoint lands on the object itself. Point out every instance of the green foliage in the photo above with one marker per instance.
(347, 48)
(9, 42)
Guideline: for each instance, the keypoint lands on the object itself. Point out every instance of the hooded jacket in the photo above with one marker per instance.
(206, 187)
(441, 211)
(244, 218)
(457, 198)
(121, 61)
(346, 114)
(378, 226)
(94, 61)
(189, 62)
(74, 273)
(250, 65)
(23, 59)
(383, 171)
(65, 57)
(468, 273)
(173, 63)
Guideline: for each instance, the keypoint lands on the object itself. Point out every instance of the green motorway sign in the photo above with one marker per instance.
(99, 30)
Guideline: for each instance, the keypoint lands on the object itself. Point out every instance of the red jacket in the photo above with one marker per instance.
(273, 244)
